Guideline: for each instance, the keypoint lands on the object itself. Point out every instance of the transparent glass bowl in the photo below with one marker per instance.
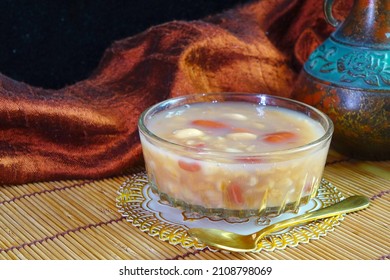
(281, 181)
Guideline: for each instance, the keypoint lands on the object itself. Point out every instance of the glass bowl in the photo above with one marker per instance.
(230, 183)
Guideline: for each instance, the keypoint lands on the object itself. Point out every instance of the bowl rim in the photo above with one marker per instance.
(262, 96)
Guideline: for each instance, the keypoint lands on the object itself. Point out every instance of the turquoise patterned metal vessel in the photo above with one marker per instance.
(348, 77)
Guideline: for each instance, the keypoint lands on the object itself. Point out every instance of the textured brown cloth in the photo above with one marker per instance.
(89, 129)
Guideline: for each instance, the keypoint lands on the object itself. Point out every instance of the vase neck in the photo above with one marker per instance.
(367, 25)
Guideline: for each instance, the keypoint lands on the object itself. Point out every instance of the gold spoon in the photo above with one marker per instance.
(243, 243)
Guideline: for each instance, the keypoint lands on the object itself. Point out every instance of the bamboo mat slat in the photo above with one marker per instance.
(78, 219)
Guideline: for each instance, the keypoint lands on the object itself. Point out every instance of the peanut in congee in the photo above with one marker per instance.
(233, 155)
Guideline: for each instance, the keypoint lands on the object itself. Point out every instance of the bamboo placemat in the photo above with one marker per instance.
(79, 220)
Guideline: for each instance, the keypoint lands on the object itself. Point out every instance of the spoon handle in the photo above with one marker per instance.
(350, 204)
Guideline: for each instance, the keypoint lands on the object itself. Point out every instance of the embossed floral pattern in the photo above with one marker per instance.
(344, 65)
(322, 57)
(363, 65)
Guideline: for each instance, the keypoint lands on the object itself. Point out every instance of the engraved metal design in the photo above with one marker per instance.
(350, 66)
(135, 201)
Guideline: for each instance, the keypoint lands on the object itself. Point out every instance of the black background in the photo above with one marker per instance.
(52, 44)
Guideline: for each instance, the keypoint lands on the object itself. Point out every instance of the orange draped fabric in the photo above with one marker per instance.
(89, 129)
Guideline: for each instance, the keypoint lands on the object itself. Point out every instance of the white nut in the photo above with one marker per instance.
(250, 148)
(205, 138)
(235, 116)
(190, 142)
(188, 133)
(252, 181)
(258, 125)
(232, 150)
(241, 136)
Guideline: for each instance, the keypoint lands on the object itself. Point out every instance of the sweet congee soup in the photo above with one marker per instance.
(242, 157)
